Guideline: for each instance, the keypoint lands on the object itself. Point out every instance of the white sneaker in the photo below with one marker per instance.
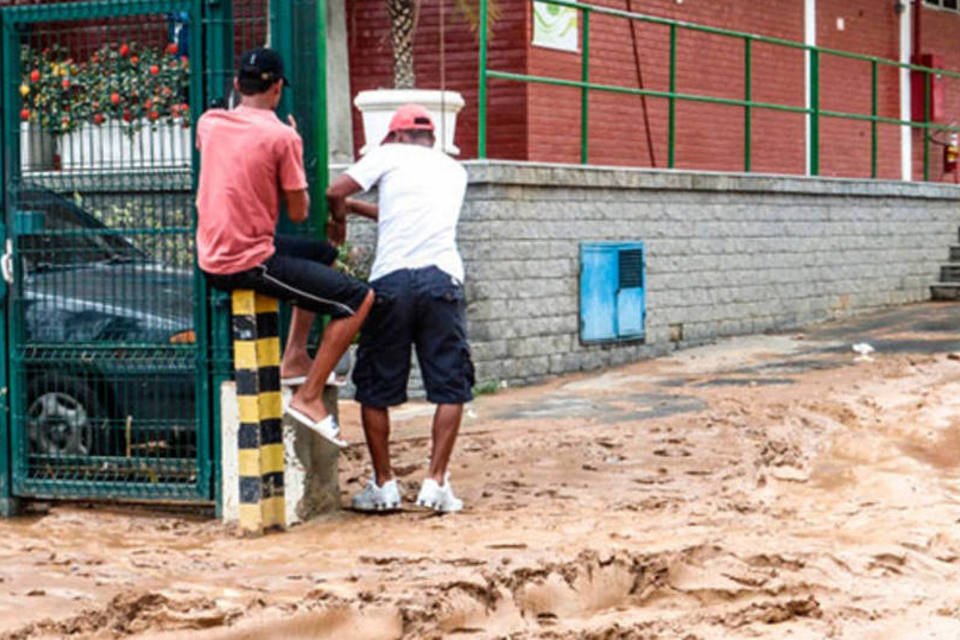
(440, 498)
(377, 498)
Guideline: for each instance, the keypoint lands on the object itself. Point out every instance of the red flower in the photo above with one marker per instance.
(35, 75)
(24, 114)
(65, 83)
(154, 69)
(98, 118)
(127, 116)
(115, 98)
(153, 115)
(134, 59)
(172, 48)
(124, 49)
(147, 104)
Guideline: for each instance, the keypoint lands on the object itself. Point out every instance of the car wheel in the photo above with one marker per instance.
(63, 416)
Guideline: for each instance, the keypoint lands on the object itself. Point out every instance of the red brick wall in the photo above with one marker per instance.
(870, 28)
(371, 67)
(708, 136)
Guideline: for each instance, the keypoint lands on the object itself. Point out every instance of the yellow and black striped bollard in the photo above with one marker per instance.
(256, 356)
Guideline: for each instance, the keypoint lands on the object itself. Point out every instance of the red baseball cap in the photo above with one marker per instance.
(409, 117)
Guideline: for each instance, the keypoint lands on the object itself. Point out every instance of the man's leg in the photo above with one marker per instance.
(444, 357)
(296, 360)
(376, 428)
(338, 335)
(446, 425)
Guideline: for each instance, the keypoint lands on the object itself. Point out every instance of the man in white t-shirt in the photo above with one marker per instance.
(417, 275)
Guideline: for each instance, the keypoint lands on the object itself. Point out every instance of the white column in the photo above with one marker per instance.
(810, 39)
(906, 139)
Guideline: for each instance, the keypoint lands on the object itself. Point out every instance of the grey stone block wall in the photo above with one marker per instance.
(725, 255)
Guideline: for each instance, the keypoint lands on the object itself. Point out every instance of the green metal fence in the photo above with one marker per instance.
(812, 110)
(115, 348)
(105, 326)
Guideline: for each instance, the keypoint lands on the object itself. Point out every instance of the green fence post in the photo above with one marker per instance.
(219, 60)
(9, 63)
(281, 40)
(585, 91)
(672, 115)
(927, 114)
(747, 96)
(874, 112)
(8, 506)
(482, 89)
(321, 146)
(814, 114)
(208, 462)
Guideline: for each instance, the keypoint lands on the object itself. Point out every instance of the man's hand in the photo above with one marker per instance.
(336, 232)
(337, 193)
(292, 122)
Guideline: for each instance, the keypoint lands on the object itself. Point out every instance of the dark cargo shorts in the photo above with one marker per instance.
(424, 308)
(299, 272)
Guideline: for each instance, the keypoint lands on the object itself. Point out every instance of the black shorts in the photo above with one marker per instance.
(299, 272)
(415, 307)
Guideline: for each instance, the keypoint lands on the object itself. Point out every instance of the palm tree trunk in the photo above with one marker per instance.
(403, 22)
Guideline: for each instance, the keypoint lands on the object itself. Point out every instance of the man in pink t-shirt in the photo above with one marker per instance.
(249, 160)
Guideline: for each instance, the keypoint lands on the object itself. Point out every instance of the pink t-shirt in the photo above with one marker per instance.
(247, 157)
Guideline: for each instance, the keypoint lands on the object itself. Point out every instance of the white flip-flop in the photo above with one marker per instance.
(327, 428)
(333, 380)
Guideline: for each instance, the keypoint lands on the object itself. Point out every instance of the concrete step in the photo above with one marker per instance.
(945, 291)
(950, 273)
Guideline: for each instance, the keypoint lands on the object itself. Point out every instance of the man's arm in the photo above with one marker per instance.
(337, 193)
(363, 208)
(298, 204)
(342, 187)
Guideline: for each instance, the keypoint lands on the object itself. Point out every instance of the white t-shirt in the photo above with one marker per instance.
(421, 192)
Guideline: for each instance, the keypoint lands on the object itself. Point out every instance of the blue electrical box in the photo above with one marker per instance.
(613, 303)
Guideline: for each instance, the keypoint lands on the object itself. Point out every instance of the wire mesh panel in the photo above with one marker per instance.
(108, 358)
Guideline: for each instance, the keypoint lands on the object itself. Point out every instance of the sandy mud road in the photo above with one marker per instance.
(762, 487)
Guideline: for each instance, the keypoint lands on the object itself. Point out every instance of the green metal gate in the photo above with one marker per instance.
(115, 348)
(108, 368)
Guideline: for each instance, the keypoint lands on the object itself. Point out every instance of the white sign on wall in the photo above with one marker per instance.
(555, 26)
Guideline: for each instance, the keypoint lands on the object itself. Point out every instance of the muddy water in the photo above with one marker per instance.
(682, 498)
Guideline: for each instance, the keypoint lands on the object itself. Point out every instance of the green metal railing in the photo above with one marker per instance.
(813, 111)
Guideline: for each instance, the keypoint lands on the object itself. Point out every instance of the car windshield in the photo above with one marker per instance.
(64, 235)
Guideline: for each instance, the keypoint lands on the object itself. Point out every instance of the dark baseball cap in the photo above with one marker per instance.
(259, 68)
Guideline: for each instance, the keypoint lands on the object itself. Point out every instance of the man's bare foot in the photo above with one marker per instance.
(295, 367)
